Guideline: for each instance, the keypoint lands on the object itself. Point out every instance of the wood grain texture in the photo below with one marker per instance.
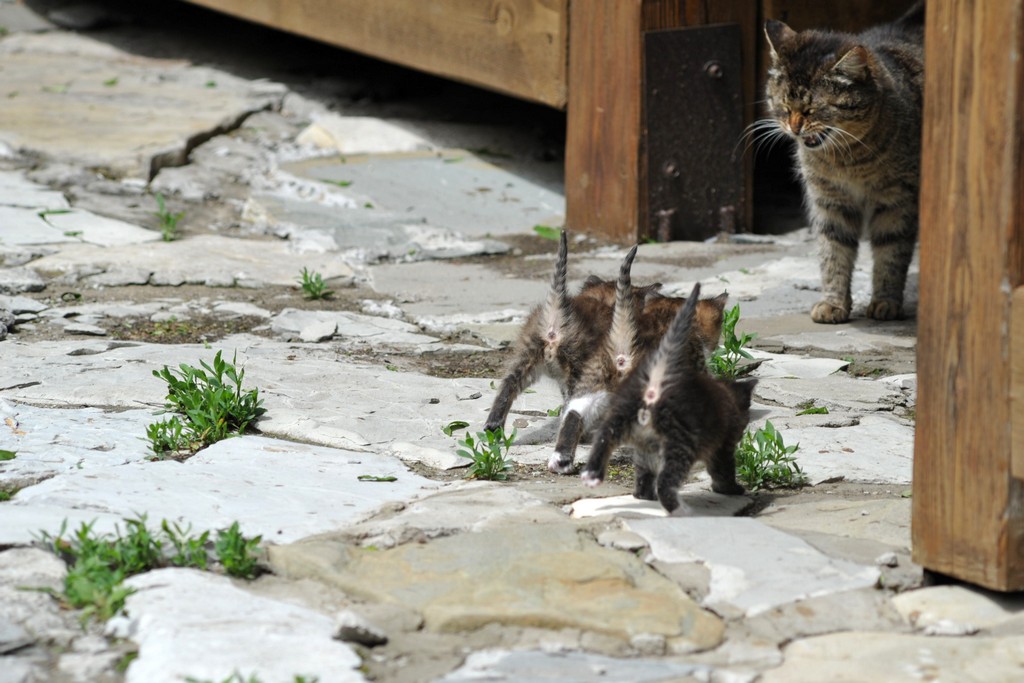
(603, 135)
(606, 188)
(1017, 383)
(968, 508)
(517, 47)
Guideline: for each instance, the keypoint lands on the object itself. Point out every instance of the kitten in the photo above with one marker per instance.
(634, 334)
(673, 415)
(852, 104)
(559, 336)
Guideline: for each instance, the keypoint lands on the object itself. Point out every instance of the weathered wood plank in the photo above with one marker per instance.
(968, 508)
(606, 185)
(517, 47)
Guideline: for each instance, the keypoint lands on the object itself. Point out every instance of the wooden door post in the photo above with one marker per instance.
(606, 186)
(968, 492)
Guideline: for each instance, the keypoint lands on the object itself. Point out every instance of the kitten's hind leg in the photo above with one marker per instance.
(644, 488)
(722, 468)
(677, 459)
(580, 415)
(522, 375)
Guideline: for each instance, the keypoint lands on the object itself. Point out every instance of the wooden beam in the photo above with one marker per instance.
(517, 47)
(968, 504)
(606, 187)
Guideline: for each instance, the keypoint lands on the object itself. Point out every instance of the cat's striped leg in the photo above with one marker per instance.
(580, 415)
(522, 375)
(677, 459)
(838, 227)
(893, 236)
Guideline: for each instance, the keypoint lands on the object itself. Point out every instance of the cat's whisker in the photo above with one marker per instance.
(753, 133)
(847, 134)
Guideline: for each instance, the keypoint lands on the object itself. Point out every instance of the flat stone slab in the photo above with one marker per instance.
(886, 520)
(700, 501)
(899, 658)
(213, 260)
(70, 88)
(579, 667)
(351, 328)
(177, 614)
(877, 449)
(953, 610)
(753, 567)
(531, 575)
(463, 507)
(351, 406)
(453, 189)
(280, 490)
(49, 441)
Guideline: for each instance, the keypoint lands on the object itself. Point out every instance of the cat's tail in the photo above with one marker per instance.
(669, 361)
(622, 336)
(557, 310)
(559, 280)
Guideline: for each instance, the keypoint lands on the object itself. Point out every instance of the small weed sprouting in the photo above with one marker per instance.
(189, 551)
(763, 460)
(210, 403)
(98, 564)
(487, 453)
(170, 437)
(237, 553)
(168, 220)
(313, 285)
(724, 362)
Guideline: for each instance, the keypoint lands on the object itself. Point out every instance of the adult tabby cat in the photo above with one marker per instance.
(852, 103)
(673, 414)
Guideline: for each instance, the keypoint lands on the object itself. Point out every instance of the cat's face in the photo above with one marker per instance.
(820, 90)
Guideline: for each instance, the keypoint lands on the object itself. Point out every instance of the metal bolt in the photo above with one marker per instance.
(713, 69)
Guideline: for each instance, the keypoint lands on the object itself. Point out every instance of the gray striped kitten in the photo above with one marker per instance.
(852, 103)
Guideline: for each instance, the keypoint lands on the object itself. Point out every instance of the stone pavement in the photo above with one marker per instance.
(417, 205)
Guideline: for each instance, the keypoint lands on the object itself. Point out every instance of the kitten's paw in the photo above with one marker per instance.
(493, 426)
(560, 463)
(828, 313)
(591, 478)
(731, 489)
(885, 309)
(683, 510)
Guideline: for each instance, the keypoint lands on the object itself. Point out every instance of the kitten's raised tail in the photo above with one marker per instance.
(622, 336)
(559, 288)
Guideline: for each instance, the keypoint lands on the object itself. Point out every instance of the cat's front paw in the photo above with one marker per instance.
(829, 313)
(885, 309)
(559, 463)
(591, 478)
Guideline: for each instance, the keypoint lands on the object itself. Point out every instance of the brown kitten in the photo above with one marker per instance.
(673, 415)
(852, 104)
(556, 340)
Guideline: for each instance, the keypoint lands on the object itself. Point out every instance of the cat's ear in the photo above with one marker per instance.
(854, 65)
(777, 33)
(719, 301)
